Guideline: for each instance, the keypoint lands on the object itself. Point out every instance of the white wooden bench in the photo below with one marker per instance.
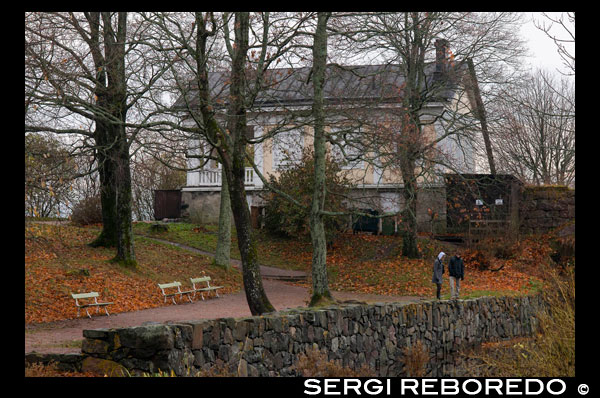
(206, 288)
(172, 294)
(95, 303)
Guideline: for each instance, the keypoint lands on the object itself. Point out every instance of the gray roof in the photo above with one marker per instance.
(293, 86)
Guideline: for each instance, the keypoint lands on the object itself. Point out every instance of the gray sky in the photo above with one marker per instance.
(543, 49)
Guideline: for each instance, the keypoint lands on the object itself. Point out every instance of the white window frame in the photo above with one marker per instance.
(337, 155)
(292, 142)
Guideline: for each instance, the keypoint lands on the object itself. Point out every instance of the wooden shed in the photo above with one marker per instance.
(482, 203)
(167, 203)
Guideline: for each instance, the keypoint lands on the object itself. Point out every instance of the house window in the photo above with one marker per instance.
(350, 142)
(287, 148)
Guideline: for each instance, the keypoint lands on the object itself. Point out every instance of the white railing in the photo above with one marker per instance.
(249, 176)
(212, 178)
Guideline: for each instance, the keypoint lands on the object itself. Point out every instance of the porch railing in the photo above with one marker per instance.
(212, 178)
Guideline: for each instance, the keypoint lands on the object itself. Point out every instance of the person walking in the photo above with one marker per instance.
(456, 270)
(438, 271)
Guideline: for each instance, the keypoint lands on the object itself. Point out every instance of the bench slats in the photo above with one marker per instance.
(90, 295)
(179, 292)
(204, 289)
(85, 295)
(193, 291)
(169, 285)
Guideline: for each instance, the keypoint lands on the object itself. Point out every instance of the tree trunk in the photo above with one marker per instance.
(222, 254)
(116, 101)
(320, 284)
(480, 112)
(125, 247)
(108, 196)
(233, 163)
(409, 216)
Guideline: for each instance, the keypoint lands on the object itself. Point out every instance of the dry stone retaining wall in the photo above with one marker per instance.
(544, 208)
(353, 334)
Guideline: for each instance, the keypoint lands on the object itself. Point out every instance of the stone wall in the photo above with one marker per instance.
(353, 334)
(544, 208)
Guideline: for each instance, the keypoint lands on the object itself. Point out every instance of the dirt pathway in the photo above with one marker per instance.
(266, 271)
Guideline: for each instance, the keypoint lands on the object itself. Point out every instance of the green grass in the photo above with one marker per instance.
(272, 251)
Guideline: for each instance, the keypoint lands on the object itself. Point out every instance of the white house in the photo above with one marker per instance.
(357, 99)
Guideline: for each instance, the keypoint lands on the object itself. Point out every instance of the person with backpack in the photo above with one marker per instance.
(438, 271)
(456, 270)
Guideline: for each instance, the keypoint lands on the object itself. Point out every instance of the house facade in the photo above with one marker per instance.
(362, 108)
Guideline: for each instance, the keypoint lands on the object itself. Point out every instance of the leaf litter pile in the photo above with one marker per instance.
(374, 265)
(58, 262)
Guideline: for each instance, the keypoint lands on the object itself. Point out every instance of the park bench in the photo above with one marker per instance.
(207, 288)
(172, 294)
(88, 296)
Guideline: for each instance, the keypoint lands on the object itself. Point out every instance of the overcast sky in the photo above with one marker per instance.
(543, 49)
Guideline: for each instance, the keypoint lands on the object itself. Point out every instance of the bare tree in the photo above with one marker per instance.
(49, 174)
(76, 84)
(320, 291)
(565, 40)
(405, 141)
(535, 136)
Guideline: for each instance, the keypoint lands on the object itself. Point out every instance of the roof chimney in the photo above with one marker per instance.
(441, 56)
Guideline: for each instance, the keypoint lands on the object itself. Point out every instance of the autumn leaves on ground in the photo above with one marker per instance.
(59, 262)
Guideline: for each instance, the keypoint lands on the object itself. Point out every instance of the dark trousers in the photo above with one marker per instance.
(438, 289)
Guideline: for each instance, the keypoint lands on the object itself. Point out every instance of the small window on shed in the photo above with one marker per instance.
(499, 202)
(478, 202)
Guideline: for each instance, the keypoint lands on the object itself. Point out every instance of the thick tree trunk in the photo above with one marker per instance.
(116, 105)
(125, 247)
(222, 254)
(320, 284)
(108, 197)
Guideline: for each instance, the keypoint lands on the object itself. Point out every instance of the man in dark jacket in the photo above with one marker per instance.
(456, 271)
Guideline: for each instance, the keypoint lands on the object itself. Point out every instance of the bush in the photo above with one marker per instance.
(415, 360)
(550, 352)
(314, 363)
(87, 211)
(283, 218)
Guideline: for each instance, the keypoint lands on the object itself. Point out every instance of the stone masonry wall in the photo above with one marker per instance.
(353, 334)
(544, 208)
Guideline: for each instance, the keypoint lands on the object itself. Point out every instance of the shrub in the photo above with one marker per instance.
(314, 363)
(551, 350)
(87, 211)
(415, 360)
(41, 370)
(283, 218)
